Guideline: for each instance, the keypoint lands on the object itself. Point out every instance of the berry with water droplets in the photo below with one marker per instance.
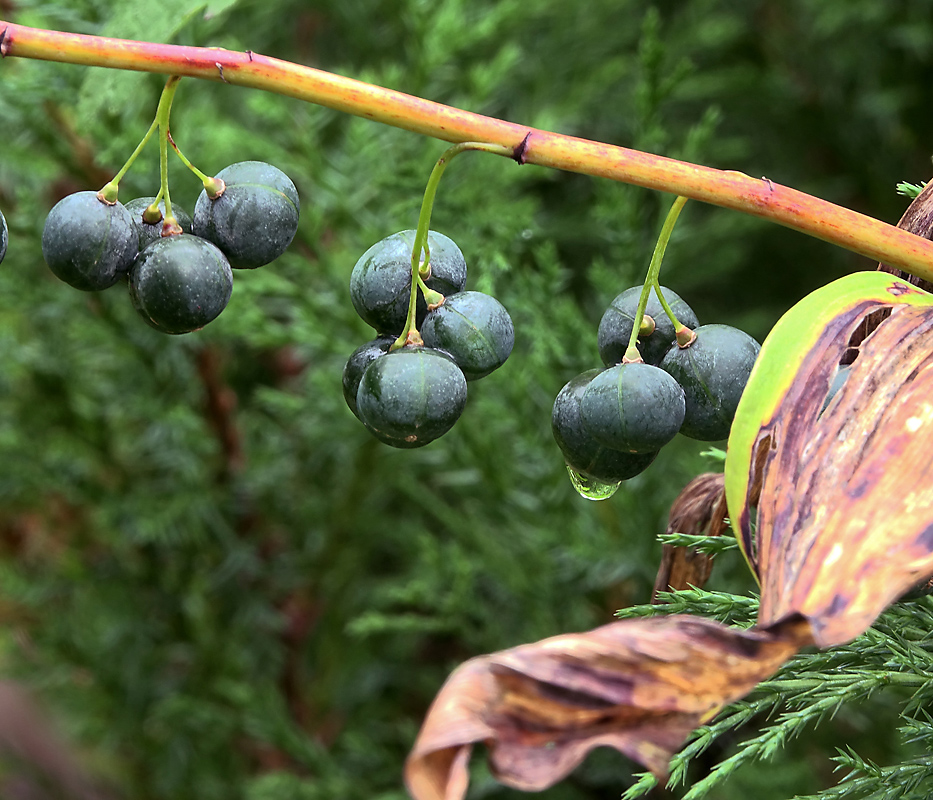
(4, 236)
(87, 243)
(581, 451)
(411, 396)
(356, 365)
(254, 219)
(380, 284)
(713, 371)
(635, 408)
(180, 283)
(474, 328)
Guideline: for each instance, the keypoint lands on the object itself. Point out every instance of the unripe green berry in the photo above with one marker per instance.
(255, 218)
(4, 237)
(356, 365)
(581, 451)
(635, 408)
(411, 396)
(713, 371)
(615, 327)
(180, 283)
(474, 328)
(380, 284)
(88, 243)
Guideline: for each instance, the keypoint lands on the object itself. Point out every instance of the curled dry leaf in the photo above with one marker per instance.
(840, 491)
(638, 685)
(701, 506)
(857, 531)
(918, 219)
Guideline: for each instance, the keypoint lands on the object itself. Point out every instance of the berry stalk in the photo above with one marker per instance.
(651, 281)
(420, 252)
(430, 191)
(111, 188)
(759, 197)
(163, 113)
(212, 186)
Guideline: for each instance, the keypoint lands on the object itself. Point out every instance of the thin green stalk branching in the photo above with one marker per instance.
(420, 252)
(163, 114)
(651, 281)
(209, 183)
(112, 187)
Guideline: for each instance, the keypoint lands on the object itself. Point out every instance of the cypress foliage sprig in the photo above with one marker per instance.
(869, 781)
(910, 190)
(713, 545)
(896, 652)
(724, 607)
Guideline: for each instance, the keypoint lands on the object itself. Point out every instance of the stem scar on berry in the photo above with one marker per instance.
(214, 187)
(685, 337)
(108, 194)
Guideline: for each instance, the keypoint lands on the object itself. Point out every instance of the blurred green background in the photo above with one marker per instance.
(218, 581)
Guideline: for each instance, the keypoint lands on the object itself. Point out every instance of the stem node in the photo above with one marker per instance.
(433, 299)
(520, 154)
(632, 356)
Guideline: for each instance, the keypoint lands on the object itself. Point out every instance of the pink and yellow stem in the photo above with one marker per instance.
(760, 197)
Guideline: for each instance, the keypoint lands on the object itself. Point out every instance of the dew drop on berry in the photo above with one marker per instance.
(591, 488)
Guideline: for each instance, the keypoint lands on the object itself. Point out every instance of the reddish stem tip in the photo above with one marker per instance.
(685, 337)
(214, 187)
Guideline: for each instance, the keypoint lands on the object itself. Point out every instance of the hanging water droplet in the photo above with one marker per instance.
(591, 488)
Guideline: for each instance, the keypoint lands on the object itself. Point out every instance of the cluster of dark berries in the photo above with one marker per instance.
(178, 270)
(408, 396)
(610, 423)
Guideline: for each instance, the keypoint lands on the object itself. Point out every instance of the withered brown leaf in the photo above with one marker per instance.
(701, 506)
(638, 685)
(918, 219)
(845, 513)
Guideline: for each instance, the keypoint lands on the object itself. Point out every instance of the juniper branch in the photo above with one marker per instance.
(705, 544)
(896, 652)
